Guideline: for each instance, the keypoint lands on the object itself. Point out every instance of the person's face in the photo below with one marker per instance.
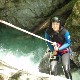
(55, 26)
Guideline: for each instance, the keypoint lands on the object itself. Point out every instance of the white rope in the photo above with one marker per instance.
(20, 29)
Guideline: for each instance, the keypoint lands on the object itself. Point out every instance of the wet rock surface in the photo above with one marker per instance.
(8, 72)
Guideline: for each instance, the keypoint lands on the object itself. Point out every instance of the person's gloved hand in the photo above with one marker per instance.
(55, 46)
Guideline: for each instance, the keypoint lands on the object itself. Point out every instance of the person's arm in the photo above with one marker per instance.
(67, 41)
(48, 44)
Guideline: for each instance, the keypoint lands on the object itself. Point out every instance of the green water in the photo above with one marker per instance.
(19, 51)
(21, 46)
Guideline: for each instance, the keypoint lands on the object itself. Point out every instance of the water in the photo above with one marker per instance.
(23, 53)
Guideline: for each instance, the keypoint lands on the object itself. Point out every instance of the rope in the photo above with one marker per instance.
(20, 29)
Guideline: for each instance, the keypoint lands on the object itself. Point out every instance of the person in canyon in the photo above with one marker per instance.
(60, 37)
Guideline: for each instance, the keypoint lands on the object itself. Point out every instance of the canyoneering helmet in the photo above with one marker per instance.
(55, 19)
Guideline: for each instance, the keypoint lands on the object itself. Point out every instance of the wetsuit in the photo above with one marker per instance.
(63, 38)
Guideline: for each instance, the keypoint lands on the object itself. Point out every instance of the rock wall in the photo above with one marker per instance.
(74, 18)
(73, 24)
(27, 13)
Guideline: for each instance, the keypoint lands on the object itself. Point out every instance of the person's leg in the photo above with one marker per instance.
(53, 66)
(66, 65)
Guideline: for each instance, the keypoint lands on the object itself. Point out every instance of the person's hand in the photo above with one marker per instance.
(54, 44)
(56, 48)
(54, 53)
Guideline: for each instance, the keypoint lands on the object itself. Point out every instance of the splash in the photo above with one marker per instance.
(21, 63)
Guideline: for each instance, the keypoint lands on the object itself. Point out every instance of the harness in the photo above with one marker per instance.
(63, 51)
